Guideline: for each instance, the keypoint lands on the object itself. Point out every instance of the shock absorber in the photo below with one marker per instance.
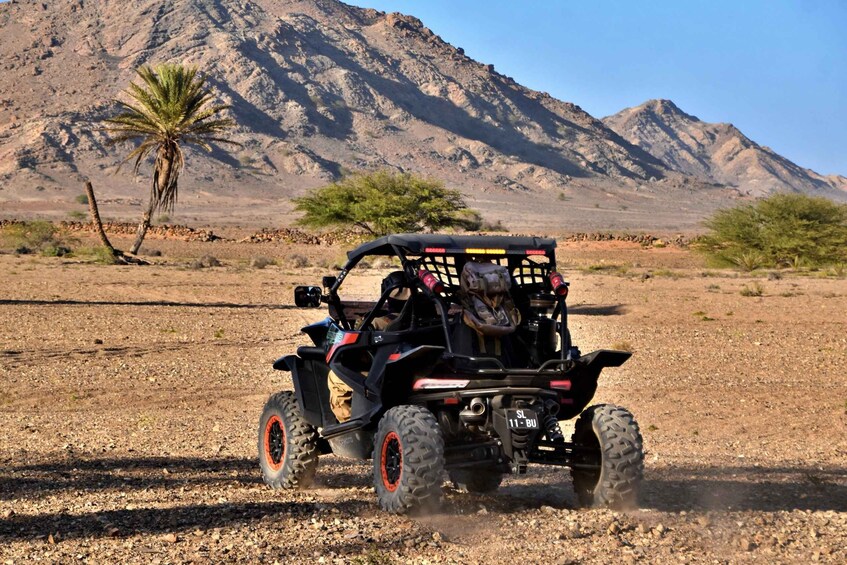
(551, 424)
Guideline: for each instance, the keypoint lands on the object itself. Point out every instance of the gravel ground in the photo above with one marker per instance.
(129, 398)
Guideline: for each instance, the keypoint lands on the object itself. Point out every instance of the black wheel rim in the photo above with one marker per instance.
(276, 442)
(393, 460)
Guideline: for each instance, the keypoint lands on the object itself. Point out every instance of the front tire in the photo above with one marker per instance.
(408, 462)
(607, 437)
(288, 452)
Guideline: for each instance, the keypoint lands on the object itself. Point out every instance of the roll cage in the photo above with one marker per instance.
(531, 261)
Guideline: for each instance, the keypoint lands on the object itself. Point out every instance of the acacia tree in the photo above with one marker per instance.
(171, 107)
(383, 202)
(778, 231)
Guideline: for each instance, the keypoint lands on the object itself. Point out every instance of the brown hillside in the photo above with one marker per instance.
(317, 88)
(717, 153)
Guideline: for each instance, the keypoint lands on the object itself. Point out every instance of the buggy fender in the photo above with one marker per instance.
(286, 363)
(584, 375)
(604, 358)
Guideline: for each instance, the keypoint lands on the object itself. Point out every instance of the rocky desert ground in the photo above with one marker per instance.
(129, 398)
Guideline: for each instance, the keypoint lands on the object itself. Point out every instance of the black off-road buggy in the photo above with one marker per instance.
(470, 377)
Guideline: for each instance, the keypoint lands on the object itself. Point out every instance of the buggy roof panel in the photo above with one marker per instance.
(416, 244)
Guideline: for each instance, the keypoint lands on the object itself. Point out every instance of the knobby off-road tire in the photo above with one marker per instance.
(478, 480)
(288, 453)
(613, 441)
(408, 462)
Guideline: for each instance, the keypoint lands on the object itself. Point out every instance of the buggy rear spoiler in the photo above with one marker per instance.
(595, 361)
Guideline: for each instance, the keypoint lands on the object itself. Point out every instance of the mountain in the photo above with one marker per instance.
(318, 88)
(717, 153)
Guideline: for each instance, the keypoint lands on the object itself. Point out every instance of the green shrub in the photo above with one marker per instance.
(98, 254)
(52, 250)
(383, 202)
(38, 236)
(81, 199)
(76, 215)
(784, 230)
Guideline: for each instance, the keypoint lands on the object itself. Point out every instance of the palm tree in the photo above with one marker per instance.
(170, 108)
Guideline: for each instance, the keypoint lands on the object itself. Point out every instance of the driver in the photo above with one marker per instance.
(341, 395)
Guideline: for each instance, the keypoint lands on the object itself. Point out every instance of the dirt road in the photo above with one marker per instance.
(129, 398)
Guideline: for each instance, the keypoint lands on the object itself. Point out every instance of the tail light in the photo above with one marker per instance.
(427, 384)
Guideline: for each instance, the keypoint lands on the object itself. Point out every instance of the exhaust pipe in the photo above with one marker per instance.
(475, 412)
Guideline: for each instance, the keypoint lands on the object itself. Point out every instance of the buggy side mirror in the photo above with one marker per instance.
(329, 282)
(307, 297)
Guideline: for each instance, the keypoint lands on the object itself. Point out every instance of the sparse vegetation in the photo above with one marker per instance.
(76, 215)
(163, 219)
(667, 273)
(261, 262)
(204, 262)
(38, 236)
(171, 107)
(838, 271)
(81, 199)
(374, 556)
(384, 263)
(99, 254)
(383, 202)
(298, 261)
(748, 260)
(784, 230)
(610, 268)
(55, 251)
(754, 289)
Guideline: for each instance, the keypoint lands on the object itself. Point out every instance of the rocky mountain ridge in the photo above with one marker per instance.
(717, 153)
(318, 88)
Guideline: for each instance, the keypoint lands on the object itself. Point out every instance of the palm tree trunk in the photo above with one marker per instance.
(161, 175)
(95, 218)
(142, 227)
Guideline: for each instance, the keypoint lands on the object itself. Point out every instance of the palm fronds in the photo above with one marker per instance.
(170, 107)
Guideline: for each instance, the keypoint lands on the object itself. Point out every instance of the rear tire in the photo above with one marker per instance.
(477, 481)
(609, 437)
(408, 460)
(288, 451)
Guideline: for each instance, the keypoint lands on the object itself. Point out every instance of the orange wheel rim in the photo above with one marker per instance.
(274, 442)
(391, 461)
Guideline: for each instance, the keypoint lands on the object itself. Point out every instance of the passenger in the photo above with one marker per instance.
(341, 395)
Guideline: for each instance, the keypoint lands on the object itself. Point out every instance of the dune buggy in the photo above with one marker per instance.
(470, 376)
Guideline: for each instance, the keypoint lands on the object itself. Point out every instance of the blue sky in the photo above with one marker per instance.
(776, 69)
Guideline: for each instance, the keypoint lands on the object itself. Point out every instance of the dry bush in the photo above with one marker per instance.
(753, 290)
(298, 261)
(204, 262)
(261, 262)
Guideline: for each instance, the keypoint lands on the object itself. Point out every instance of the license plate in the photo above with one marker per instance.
(522, 419)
